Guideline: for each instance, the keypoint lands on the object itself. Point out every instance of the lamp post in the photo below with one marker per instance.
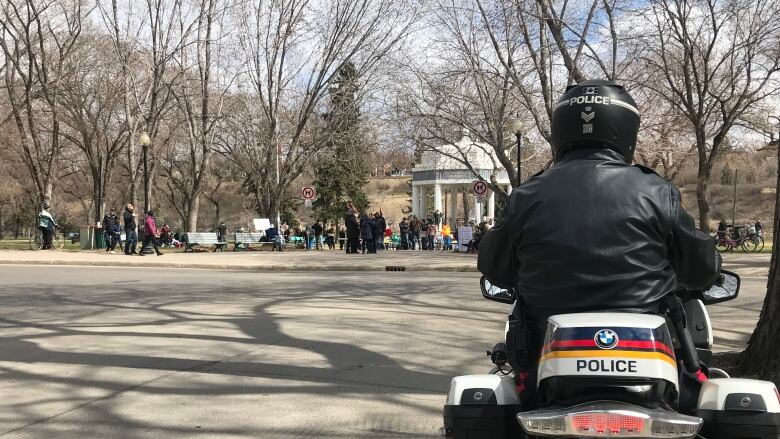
(145, 141)
(517, 127)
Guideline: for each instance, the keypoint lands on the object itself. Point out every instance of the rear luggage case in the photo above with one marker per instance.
(739, 409)
(482, 407)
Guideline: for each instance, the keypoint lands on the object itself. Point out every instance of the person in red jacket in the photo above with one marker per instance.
(150, 234)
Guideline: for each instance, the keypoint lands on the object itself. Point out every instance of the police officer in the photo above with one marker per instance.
(592, 232)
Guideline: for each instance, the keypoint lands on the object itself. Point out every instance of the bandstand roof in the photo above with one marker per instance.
(441, 166)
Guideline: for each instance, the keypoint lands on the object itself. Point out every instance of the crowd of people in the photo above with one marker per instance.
(360, 233)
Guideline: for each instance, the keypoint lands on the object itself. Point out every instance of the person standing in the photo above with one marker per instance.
(759, 227)
(366, 234)
(423, 234)
(330, 237)
(353, 230)
(437, 217)
(150, 234)
(431, 235)
(342, 235)
(414, 232)
(317, 229)
(403, 231)
(131, 237)
(381, 226)
(46, 224)
(446, 236)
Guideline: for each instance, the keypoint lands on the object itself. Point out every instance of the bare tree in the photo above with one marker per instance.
(200, 94)
(294, 49)
(38, 37)
(711, 62)
(497, 60)
(146, 40)
(92, 103)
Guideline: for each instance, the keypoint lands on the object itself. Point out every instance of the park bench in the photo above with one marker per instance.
(247, 239)
(193, 239)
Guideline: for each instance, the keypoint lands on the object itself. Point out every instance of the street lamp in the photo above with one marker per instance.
(517, 127)
(145, 141)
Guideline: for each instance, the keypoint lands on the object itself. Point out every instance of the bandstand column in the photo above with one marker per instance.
(491, 207)
(437, 205)
(453, 210)
(423, 198)
(415, 199)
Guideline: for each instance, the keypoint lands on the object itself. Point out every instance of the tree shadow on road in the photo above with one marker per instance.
(192, 313)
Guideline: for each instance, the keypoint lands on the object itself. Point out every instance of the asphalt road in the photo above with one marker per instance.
(98, 353)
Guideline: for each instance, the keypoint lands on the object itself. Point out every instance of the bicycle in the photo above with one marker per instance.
(758, 240)
(36, 240)
(725, 242)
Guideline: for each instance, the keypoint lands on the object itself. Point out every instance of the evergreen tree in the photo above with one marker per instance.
(343, 169)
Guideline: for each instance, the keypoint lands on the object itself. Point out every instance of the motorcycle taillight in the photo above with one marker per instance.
(607, 423)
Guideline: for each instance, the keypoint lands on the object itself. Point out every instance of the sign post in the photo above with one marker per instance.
(480, 188)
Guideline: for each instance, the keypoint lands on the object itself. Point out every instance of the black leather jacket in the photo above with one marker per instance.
(594, 232)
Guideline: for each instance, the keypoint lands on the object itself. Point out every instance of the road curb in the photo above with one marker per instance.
(459, 268)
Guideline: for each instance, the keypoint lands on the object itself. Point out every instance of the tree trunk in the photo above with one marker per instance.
(702, 193)
(762, 358)
(192, 214)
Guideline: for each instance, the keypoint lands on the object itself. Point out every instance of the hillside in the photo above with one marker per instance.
(389, 194)
(753, 201)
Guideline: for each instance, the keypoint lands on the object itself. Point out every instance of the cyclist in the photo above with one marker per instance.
(722, 228)
(46, 224)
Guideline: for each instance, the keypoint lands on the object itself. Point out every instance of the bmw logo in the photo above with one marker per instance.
(606, 339)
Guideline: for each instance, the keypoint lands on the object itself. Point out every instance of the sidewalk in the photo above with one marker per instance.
(324, 260)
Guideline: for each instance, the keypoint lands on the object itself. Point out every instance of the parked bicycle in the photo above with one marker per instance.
(36, 240)
(739, 237)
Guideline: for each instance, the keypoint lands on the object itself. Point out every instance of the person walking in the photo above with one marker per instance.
(403, 232)
(110, 230)
(131, 237)
(46, 224)
(150, 234)
(317, 229)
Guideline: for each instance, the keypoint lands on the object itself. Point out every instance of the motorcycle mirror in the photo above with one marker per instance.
(725, 288)
(496, 293)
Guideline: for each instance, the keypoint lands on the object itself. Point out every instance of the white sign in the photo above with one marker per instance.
(465, 234)
(262, 224)
(480, 187)
(308, 193)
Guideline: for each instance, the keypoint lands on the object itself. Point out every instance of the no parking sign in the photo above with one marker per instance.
(308, 193)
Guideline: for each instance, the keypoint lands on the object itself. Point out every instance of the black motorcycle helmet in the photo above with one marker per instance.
(595, 114)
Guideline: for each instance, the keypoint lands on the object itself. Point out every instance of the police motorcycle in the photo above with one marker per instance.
(619, 375)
